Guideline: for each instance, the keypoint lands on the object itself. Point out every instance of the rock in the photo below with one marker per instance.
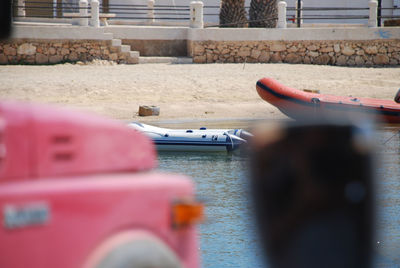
(371, 50)
(52, 51)
(359, 61)
(307, 60)
(55, 59)
(277, 47)
(10, 51)
(114, 56)
(199, 59)
(145, 110)
(381, 59)
(255, 53)
(225, 51)
(264, 57)
(64, 51)
(276, 57)
(84, 50)
(393, 62)
(336, 48)
(312, 48)
(351, 62)
(3, 59)
(26, 49)
(322, 60)
(383, 50)
(41, 58)
(313, 54)
(341, 60)
(209, 57)
(348, 51)
(244, 53)
(198, 50)
(73, 56)
(293, 58)
(360, 52)
(326, 49)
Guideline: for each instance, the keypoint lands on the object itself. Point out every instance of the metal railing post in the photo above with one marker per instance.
(150, 12)
(83, 13)
(373, 8)
(21, 8)
(282, 14)
(299, 13)
(196, 14)
(94, 9)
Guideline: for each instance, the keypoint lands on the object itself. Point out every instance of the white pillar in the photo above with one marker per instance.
(83, 12)
(373, 13)
(150, 11)
(21, 8)
(282, 14)
(196, 14)
(94, 21)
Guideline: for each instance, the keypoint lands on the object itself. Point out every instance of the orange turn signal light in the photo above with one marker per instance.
(187, 212)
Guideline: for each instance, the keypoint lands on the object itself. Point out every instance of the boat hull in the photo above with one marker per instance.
(195, 140)
(298, 104)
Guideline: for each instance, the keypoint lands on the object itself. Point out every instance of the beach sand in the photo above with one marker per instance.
(185, 91)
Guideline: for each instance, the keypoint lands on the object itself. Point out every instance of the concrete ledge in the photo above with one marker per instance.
(148, 32)
(293, 34)
(59, 32)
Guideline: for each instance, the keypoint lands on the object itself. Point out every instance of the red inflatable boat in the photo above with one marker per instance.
(300, 104)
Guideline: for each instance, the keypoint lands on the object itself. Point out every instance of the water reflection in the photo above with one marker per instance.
(228, 238)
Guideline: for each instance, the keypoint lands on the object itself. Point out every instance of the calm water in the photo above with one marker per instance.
(228, 238)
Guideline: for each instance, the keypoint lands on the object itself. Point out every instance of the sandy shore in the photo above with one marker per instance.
(191, 91)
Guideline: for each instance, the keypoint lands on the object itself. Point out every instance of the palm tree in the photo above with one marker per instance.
(232, 14)
(263, 13)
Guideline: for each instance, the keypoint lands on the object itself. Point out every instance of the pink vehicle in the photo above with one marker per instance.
(77, 190)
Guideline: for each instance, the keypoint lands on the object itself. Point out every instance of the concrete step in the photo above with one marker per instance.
(134, 54)
(116, 42)
(125, 48)
(171, 60)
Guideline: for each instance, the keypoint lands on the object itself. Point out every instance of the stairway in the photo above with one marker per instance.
(128, 56)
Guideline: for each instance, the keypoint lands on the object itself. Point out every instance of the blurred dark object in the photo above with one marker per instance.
(5, 18)
(393, 23)
(312, 187)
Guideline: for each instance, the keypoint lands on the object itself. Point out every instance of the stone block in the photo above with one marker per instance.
(64, 51)
(336, 48)
(3, 59)
(293, 58)
(277, 47)
(26, 49)
(348, 51)
(200, 59)
(341, 60)
(312, 48)
(73, 56)
(276, 58)
(371, 50)
(359, 61)
(55, 59)
(381, 59)
(10, 51)
(114, 56)
(255, 53)
(41, 58)
(52, 51)
(145, 110)
(313, 54)
(326, 49)
(322, 60)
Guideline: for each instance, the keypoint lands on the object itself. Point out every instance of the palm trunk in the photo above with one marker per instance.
(263, 13)
(232, 14)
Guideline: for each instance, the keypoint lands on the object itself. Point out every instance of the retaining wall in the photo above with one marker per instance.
(47, 51)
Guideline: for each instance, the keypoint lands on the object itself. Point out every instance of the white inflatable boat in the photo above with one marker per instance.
(202, 139)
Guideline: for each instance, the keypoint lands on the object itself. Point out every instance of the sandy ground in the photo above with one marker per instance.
(187, 91)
